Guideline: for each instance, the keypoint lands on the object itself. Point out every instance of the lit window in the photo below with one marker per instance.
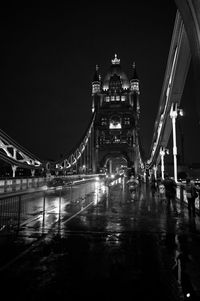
(96, 88)
(103, 121)
(118, 98)
(112, 98)
(107, 98)
(116, 139)
(135, 86)
(126, 120)
(123, 98)
(115, 123)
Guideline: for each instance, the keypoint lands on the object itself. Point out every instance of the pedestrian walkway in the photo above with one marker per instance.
(139, 249)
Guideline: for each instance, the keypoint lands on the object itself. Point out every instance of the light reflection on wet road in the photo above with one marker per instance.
(110, 243)
(41, 212)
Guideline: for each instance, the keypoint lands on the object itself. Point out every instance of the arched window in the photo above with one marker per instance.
(115, 122)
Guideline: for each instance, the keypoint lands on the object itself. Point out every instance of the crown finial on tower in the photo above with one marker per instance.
(134, 80)
(134, 75)
(115, 61)
(96, 74)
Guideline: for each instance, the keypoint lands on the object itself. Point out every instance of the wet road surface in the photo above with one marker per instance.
(101, 244)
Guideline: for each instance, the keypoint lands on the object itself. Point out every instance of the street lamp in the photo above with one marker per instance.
(180, 129)
(83, 168)
(174, 112)
(163, 152)
(155, 168)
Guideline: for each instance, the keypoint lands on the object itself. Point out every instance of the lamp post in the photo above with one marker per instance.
(181, 141)
(155, 168)
(174, 112)
(163, 152)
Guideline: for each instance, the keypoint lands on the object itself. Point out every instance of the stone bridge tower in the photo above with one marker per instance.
(115, 102)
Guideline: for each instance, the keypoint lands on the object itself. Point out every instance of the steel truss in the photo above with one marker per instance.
(81, 154)
(16, 155)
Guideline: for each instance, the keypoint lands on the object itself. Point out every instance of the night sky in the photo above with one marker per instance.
(48, 58)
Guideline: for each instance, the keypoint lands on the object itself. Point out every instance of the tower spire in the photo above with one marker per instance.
(134, 80)
(115, 61)
(96, 74)
(96, 86)
(134, 74)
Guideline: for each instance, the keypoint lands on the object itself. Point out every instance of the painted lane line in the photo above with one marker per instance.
(37, 243)
(71, 217)
(25, 223)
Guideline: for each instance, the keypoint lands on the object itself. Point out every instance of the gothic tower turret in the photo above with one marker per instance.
(135, 90)
(96, 88)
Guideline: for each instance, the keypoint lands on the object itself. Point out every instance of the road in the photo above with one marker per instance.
(95, 242)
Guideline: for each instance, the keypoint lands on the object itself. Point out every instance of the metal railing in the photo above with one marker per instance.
(13, 208)
(19, 208)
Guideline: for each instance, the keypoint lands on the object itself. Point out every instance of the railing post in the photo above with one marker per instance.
(44, 201)
(181, 192)
(19, 213)
(14, 184)
(32, 172)
(5, 185)
(59, 205)
(14, 168)
(43, 215)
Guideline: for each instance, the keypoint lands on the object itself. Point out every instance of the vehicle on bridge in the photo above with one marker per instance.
(56, 182)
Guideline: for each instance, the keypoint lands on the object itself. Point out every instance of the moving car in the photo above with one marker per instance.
(56, 182)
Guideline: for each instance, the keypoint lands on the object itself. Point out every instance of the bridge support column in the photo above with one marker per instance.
(14, 168)
(155, 169)
(110, 166)
(162, 166)
(32, 172)
(174, 112)
(173, 115)
(94, 152)
(163, 151)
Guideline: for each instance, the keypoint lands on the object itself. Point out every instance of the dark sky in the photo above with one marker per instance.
(48, 57)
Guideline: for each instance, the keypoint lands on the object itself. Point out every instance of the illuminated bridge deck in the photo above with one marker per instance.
(115, 247)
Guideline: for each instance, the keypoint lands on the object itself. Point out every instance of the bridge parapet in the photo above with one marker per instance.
(18, 184)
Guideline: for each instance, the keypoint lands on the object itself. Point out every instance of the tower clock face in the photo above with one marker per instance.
(115, 122)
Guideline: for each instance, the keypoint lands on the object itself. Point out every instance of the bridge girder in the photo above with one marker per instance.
(190, 14)
(75, 156)
(16, 155)
(175, 76)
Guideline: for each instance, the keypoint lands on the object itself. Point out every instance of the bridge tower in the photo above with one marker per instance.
(115, 103)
